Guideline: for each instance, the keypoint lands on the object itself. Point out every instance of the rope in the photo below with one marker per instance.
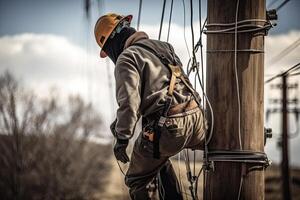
(170, 19)
(162, 19)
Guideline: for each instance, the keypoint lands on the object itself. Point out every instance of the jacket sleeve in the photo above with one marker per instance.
(128, 97)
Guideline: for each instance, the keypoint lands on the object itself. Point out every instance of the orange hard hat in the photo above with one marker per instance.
(105, 26)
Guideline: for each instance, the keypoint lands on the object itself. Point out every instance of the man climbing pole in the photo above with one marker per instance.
(150, 83)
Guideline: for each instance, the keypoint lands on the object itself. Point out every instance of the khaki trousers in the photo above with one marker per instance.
(180, 131)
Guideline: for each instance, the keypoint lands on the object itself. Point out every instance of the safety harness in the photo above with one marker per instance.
(176, 72)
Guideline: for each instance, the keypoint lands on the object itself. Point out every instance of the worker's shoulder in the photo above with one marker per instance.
(153, 44)
(133, 51)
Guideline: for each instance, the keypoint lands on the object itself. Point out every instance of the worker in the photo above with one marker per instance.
(150, 84)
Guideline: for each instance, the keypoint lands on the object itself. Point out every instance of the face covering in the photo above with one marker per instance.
(114, 46)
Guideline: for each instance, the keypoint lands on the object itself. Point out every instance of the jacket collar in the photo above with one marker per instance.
(137, 36)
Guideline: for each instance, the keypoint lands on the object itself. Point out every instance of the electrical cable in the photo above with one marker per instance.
(239, 22)
(254, 28)
(162, 19)
(237, 87)
(170, 19)
(207, 140)
(236, 75)
(139, 16)
(194, 62)
(272, 3)
(240, 186)
(195, 48)
(295, 74)
(285, 52)
(184, 35)
(100, 6)
(201, 52)
(290, 70)
(281, 5)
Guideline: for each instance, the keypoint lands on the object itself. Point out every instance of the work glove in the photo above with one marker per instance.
(120, 150)
(113, 128)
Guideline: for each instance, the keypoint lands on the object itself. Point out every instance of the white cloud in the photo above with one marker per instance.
(275, 45)
(42, 61)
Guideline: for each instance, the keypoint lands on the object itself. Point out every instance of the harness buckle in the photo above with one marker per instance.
(161, 121)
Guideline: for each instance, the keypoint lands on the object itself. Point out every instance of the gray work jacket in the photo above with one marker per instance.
(142, 83)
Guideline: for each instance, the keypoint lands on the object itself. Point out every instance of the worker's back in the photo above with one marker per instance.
(152, 75)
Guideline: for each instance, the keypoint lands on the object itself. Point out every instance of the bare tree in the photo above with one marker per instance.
(45, 147)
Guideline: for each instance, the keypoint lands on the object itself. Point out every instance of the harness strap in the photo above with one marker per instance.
(176, 72)
(175, 69)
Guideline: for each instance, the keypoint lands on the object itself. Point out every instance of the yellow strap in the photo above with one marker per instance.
(176, 72)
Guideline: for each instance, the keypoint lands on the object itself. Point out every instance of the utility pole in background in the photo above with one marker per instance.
(285, 172)
(224, 180)
(286, 134)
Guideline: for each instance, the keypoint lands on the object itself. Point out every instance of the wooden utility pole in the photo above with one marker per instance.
(224, 181)
(285, 173)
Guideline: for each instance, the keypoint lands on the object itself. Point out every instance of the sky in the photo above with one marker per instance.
(49, 44)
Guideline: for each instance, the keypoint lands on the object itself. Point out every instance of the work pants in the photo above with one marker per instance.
(180, 131)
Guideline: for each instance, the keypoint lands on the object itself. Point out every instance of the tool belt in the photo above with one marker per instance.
(179, 109)
(153, 132)
(183, 107)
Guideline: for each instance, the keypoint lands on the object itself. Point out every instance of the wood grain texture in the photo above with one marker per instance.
(224, 182)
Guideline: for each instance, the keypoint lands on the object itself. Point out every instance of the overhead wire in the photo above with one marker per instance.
(184, 33)
(199, 44)
(194, 64)
(162, 19)
(170, 20)
(285, 52)
(281, 5)
(139, 15)
(272, 3)
(285, 73)
(195, 67)
(89, 74)
(295, 74)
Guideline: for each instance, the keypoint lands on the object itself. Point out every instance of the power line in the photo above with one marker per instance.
(272, 3)
(139, 15)
(162, 19)
(170, 19)
(194, 63)
(100, 7)
(285, 52)
(285, 73)
(281, 5)
(184, 25)
(295, 74)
